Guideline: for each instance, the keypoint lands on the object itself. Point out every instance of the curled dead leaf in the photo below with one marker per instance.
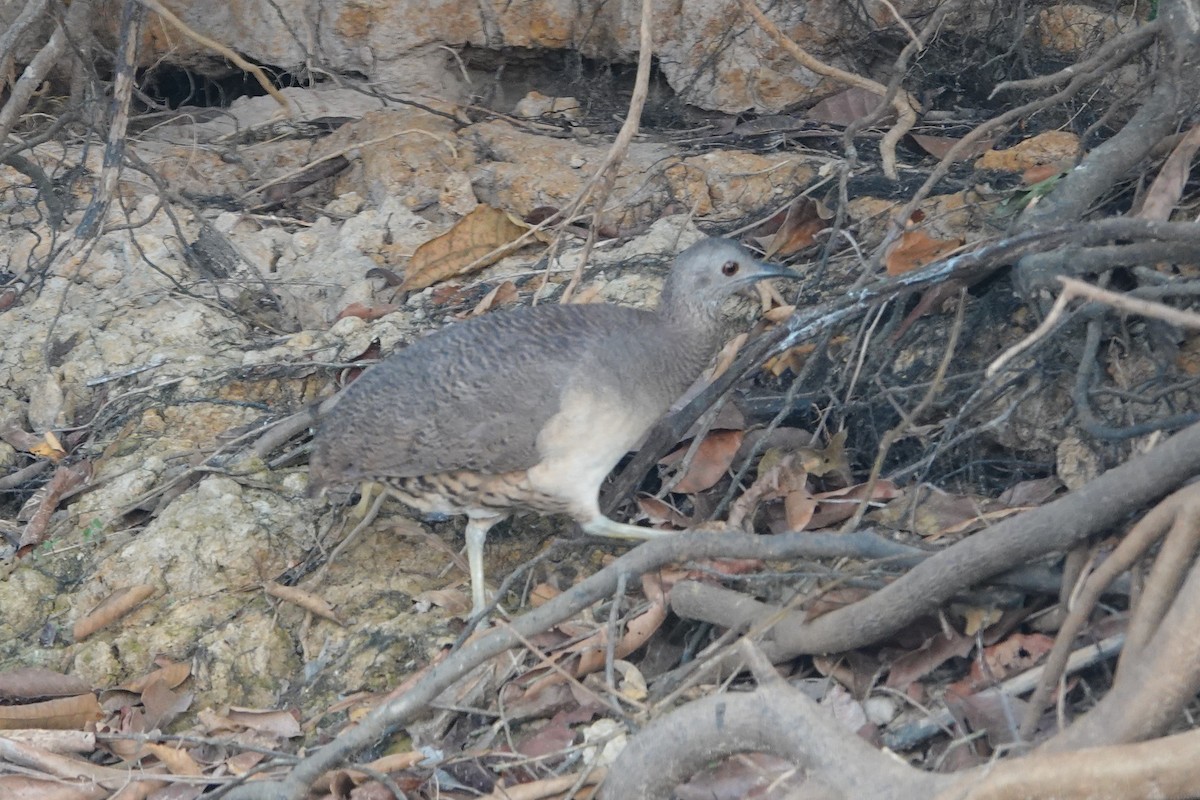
(479, 239)
(914, 249)
(61, 713)
(306, 600)
(111, 609)
(710, 462)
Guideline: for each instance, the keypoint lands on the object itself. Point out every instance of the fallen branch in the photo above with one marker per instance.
(1136, 543)
(1017, 540)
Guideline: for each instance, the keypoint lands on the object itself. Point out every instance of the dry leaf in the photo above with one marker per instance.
(306, 600)
(170, 676)
(934, 652)
(999, 662)
(710, 463)
(840, 504)
(589, 654)
(45, 500)
(501, 295)
(791, 359)
(1164, 193)
(779, 313)
(163, 705)
(20, 787)
(660, 512)
(798, 508)
(50, 447)
(1031, 493)
(802, 221)
(452, 600)
(846, 107)
(61, 713)
(280, 724)
(462, 249)
(542, 593)
(727, 354)
(915, 248)
(28, 683)
(365, 312)
(939, 146)
(778, 476)
(113, 608)
(828, 461)
(1041, 173)
(976, 619)
(632, 684)
(179, 762)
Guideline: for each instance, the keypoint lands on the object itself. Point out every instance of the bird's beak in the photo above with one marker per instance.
(764, 271)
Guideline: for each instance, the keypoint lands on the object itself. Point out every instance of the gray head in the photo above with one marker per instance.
(708, 272)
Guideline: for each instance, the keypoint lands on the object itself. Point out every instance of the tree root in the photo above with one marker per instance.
(774, 719)
(1180, 513)
(780, 720)
(1014, 541)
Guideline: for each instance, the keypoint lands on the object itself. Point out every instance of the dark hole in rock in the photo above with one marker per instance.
(501, 77)
(214, 84)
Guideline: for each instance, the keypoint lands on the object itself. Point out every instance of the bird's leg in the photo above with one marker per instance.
(600, 525)
(367, 492)
(477, 531)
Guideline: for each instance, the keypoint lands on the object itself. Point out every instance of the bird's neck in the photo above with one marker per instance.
(691, 331)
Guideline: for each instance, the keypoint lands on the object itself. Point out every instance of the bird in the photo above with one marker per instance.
(530, 409)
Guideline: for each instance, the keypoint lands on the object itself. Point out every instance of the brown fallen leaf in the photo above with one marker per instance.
(463, 249)
(502, 295)
(798, 508)
(20, 787)
(170, 675)
(710, 463)
(840, 504)
(1016, 654)
(933, 298)
(802, 221)
(778, 476)
(791, 359)
(940, 146)
(365, 312)
(660, 513)
(50, 447)
(1031, 493)
(1167, 188)
(914, 249)
(829, 460)
(61, 713)
(933, 652)
(21, 439)
(727, 354)
(589, 654)
(990, 711)
(848, 106)
(1041, 173)
(45, 500)
(280, 724)
(162, 705)
(111, 609)
(306, 600)
(178, 761)
(27, 683)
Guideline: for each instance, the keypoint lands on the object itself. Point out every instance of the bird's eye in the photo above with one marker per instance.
(730, 268)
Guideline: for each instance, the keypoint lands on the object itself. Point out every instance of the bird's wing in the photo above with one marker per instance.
(472, 396)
